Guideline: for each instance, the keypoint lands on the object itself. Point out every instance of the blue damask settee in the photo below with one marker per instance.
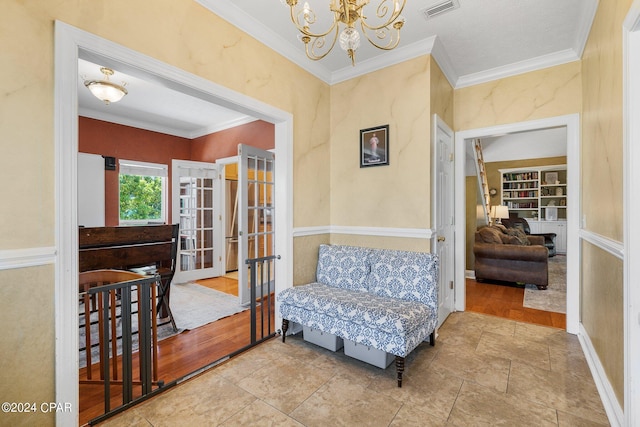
(384, 299)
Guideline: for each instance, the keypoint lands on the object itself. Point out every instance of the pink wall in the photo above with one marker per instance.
(124, 142)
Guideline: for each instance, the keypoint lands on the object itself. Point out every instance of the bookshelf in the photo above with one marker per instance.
(538, 194)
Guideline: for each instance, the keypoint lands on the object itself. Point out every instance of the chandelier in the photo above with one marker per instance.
(383, 31)
(105, 90)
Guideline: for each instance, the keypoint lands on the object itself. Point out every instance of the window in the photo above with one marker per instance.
(142, 192)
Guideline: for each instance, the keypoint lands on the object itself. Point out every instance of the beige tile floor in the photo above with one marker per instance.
(483, 371)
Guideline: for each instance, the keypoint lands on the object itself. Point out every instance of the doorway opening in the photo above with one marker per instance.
(72, 44)
(463, 140)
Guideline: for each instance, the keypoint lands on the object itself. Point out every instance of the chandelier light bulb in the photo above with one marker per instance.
(349, 39)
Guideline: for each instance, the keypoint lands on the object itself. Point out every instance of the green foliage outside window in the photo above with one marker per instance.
(140, 197)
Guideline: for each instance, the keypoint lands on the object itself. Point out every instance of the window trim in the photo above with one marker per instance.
(134, 167)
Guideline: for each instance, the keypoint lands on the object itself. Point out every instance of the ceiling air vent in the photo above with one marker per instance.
(440, 8)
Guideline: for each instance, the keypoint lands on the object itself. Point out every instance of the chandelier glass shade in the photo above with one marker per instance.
(105, 90)
(381, 28)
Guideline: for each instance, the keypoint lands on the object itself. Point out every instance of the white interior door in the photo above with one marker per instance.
(256, 196)
(444, 223)
(196, 194)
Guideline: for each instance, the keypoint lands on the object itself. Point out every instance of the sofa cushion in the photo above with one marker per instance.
(519, 235)
(490, 235)
(390, 315)
(343, 267)
(412, 276)
(501, 228)
(510, 240)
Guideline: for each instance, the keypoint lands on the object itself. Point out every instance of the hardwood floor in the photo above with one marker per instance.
(222, 284)
(506, 301)
(182, 354)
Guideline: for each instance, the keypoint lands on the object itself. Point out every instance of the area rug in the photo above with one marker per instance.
(554, 298)
(192, 306)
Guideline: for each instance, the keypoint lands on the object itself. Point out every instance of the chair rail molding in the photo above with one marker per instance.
(28, 257)
(412, 233)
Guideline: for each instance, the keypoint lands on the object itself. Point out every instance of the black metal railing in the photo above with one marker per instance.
(119, 305)
(262, 277)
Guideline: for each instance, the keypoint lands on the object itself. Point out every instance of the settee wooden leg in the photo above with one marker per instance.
(432, 339)
(399, 369)
(285, 326)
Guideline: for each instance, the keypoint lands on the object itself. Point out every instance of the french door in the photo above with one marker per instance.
(196, 194)
(255, 216)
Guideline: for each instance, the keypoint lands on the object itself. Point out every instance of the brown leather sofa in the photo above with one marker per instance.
(549, 238)
(510, 256)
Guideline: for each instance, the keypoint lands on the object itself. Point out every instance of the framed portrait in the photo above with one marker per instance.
(551, 177)
(374, 146)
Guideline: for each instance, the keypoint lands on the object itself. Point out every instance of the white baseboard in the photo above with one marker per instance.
(609, 401)
(470, 274)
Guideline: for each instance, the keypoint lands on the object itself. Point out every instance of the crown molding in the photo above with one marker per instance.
(392, 57)
(256, 29)
(433, 46)
(534, 64)
(262, 33)
(130, 121)
(207, 130)
(585, 27)
(167, 130)
(439, 53)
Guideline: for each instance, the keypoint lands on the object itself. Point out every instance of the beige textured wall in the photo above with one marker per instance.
(396, 195)
(382, 242)
(602, 282)
(306, 250)
(601, 296)
(179, 32)
(441, 94)
(602, 122)
(550, 92)
(27, 342)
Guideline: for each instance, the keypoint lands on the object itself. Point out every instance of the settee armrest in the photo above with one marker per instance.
(536, 239)
(511, 252)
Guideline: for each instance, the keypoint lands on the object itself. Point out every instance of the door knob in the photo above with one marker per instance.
(441, 239)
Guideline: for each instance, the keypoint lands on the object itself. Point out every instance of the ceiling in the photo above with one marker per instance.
(152, 106)
(479, 41)
(482, 40)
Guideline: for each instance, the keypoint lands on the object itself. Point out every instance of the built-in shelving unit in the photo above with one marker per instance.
(538, 194)
(535, 193)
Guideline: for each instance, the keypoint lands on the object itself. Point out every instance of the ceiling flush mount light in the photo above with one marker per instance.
(382, 31)
(105, 90)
